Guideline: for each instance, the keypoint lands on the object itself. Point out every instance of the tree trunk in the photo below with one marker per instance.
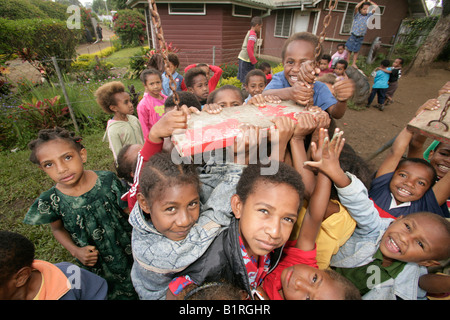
(433, 45)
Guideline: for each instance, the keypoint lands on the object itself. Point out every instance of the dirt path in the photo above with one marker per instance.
(89, 48)
(369, 129)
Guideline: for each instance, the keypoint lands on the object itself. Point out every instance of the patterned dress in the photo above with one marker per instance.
(95, 218)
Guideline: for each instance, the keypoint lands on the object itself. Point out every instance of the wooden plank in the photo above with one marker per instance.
(207, 132)
(435, 130)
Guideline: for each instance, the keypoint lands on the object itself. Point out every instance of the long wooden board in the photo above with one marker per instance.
(435, 130)
(207, 132)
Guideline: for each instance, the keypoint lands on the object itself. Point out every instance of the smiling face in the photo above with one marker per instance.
(62, 162)
(297, 52)
(414, 238)
(410, 182)
(303, 282)
(440, 159)
(174, 211)
(267, 216)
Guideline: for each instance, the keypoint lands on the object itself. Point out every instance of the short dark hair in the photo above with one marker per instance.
(255, 21)
(326, 57)
(124, 166)
(419, 161)
(255, 72)
(212, 95)
(285, 174)
(46, 135)
(172, 57)
(340, 45)
(305, 36)
(343, 62)
(401, 60)
(191, 74)
(16, 252)
(264, 65)
(385, 63)
(187, 98)
(147, 72)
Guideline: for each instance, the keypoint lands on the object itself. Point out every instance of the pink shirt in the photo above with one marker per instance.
(149, 111)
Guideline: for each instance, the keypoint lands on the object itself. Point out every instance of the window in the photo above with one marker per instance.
(187, 8)
(240, 11)
(347, 20)
(283, 23)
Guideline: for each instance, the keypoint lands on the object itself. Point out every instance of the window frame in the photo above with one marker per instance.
(187, 13)
(283, 24)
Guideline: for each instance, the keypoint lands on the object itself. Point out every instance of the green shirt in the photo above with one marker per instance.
(367, 276)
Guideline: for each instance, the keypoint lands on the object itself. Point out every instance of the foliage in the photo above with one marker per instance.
(44, 114)
(231, 80)
(20, 9)
(229, 70)
(144, 59)
(278, 68)
(87, 62)
(129, 25)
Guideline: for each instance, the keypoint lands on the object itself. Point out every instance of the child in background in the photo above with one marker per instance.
(84, 210)
(359, 28)
(265, 209)
(293, 82)
(340, 54)
(339, 70)
(255, 82)
(151, 108)
(246, 57)
(323, 65)
(124, 128)
(396, 73)
(291, 279)
(197, 83)
(171, 227)
(384, 258)
(208, 68)
(267, 69)
(380, 84)
(174, 63)
(25, 278)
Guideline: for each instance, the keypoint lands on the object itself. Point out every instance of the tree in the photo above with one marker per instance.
(434, 44)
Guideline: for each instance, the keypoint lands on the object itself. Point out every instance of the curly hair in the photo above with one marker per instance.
(285, 174)
(191, 74)
(212, 95)
(255, 72)
(187, 98)
(105, 95)
(160, 172)
(350, 291)
(16, 252)
(304, 36)
(125, 166)
(46, 135)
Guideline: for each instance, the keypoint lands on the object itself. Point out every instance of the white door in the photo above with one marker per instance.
(301, 21)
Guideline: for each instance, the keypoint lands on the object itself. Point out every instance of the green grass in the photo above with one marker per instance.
(121, 58)
(22, 182)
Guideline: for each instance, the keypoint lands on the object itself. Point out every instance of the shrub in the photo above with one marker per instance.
(229, 70)
(143, 60)
(232, 81)
(129, 25)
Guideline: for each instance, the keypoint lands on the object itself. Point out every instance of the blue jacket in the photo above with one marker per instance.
(365, 241)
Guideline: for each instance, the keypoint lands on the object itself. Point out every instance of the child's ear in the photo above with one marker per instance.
(236, 206)
(429, 263)
(143, 202)
(22, 276)
(83, 154)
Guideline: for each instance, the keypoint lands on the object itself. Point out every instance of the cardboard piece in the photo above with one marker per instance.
(208, 132)
(434, 130)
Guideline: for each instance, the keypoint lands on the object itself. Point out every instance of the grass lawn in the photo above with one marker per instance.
(121, 58)
(22, 182)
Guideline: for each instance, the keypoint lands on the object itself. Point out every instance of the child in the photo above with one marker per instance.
(151, 108)
(265, 209)
(267, 69)
(171, 227)
(403, 186)
(323, 65)
(24, 278)
(84, 210)
(208, 68)
(380, 84)
(396, 73)
(384, 258)
(290, 83)
(339, 70)
(297, 276)
(359, 28)
(340, 54)
(197, 83)
(174, 63)
(124, 128)
(255, 82)
(246, 58)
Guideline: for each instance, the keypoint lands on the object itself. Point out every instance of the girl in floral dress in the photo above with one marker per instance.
(84, 210)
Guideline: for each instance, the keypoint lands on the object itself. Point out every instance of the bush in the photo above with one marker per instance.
(229, 70)
(232, 81)
(20, 9)
(129, 25)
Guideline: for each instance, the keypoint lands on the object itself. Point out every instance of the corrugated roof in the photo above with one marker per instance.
(264, 4)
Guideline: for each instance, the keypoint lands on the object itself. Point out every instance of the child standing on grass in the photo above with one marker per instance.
(380, 84)
(151, 108)
(124, 128)
(359, 29)
(84, 210)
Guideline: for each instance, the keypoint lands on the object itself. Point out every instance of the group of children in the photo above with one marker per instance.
(324, 225)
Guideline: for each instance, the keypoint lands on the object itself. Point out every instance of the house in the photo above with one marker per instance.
(212, 31)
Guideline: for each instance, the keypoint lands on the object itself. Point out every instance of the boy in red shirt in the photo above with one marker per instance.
(247, 59)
